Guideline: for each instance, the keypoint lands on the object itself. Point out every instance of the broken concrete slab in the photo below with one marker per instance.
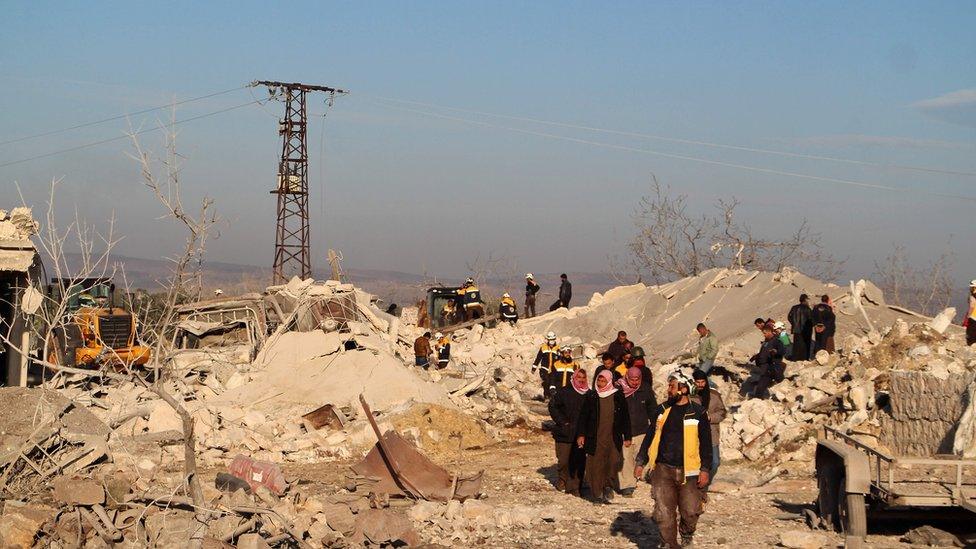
(21, 522)
(78, 491)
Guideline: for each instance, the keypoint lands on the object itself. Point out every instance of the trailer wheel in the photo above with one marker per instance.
(853, 516)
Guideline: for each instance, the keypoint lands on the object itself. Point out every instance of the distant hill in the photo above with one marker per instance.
(391, 286)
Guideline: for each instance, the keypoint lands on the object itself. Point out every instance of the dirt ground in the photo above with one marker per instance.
(520, 472)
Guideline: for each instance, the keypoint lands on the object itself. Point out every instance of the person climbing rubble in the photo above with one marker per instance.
(711, 401)
(562, 370)
(801, 326)
(443, 349)
(707, 348)
(678, 444)
(545, 359)
(507, 309)
(618, 346)
(603, 431)
(640, 406)
(769, 363)
(422, 351)
(824, 325)
(471, 300)
(970, 321)
(564, 409)
(531, 288)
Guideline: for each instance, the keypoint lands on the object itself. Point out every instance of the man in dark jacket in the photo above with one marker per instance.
(531, 288)
(801, 326)
(823, 315)
(564, 408)
(565, 293)
(640, 405)
(711, 400)
(603, 431)
(769, 362)
(678, 445)
(619, 346)
(606, 363)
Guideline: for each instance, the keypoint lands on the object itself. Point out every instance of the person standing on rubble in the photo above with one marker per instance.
(970, 320)
(824, 325)
(678, 444)
(565, 293)
(507, 309)
(531, 288)
(711, 401)
(779, 329)
(769, 361)
(640, 406)
(564, 408)
(443, 349)
(471, 300)
(619, 346)
(562, 370)
(603, 431)
(545, 359)
(421, 351)
(801, 326)
(707, 348)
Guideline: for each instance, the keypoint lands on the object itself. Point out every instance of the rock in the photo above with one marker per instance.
(252, 541)
(320, 532)
(932, 537)
(164, 418)
(919, 351)
(475, 509)
(254, 419)
(822, 357)
(942, 320)
(383, 526)
(77, 491)
(802, 539)
(424, 511)
(340, 518)
(453, 510)
(20, 523)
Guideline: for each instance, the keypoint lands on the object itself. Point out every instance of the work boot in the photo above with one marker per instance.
(686, 540)
(627, 492)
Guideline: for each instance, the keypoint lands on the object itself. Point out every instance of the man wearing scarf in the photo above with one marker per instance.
(603, 431)
(640, 406)
(678, 444)
(564, 408)
(711, 400)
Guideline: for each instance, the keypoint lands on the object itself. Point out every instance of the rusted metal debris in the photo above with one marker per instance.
(396, 467)
(325, 416)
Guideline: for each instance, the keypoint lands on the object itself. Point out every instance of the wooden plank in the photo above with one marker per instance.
(467, 324)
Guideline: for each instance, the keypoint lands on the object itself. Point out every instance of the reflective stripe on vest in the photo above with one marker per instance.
(553, 352)
(566, 370)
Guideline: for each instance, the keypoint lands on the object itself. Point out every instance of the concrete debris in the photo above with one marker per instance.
(21, 522)
(929, 536)
(18, 224)
(803, 539)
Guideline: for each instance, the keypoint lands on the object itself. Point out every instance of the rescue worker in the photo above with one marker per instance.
(603, 431)
(620, 370)
(449, 312)
(970, 321)
(801, 326)
(711, 401)
(619, 345)
(421, 351)
(678, 445)
(508, 310)
(769, 361)
(443, 349)
(562, 370)
(640, 406)
(545, 359)
(531, 288)
(824, 325)
(564, 408)
(707, 348)
(471, 300)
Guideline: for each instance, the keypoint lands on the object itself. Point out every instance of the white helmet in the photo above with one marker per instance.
(682, 379)
(551, 336)
(529, 275)
(565, 348)
(469, 280)
(779, 325)
(438, 335)
(506, 295)
(972, 284)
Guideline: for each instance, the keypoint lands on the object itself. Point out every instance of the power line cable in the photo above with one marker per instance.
(683, 141)
(127, 136)
(759, 169)
(119, 117)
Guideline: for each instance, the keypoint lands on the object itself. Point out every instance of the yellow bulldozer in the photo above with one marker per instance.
(94, 330)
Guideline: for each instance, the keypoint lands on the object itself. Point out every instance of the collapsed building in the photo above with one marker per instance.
(20, 273)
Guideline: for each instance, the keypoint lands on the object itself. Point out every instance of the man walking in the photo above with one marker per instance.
(421, 351)
(707, 348)
(970, 321)
(801, 326)
(824, 325)
(678, 445)
(711, 401)
(619, 346)
(531, 288)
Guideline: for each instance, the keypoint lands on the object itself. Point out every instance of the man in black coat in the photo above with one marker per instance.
(564, 408)
(565, 293)
(801, 326)
(823, 315)
(769, 362)
(602, 439)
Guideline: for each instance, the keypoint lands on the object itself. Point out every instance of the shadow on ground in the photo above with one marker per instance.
(636, 527)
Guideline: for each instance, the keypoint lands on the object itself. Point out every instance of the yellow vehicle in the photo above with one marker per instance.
(95, 331)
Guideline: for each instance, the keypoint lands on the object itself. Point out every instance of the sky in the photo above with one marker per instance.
(400, 181)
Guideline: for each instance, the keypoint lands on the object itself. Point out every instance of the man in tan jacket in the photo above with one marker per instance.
(711, 401)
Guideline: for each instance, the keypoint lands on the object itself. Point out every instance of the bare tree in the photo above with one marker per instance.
(927, 290)
(673, 243)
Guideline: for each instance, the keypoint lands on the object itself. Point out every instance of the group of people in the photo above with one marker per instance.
(610, 433)
(440, 350)
(468, 304)
(532, 288)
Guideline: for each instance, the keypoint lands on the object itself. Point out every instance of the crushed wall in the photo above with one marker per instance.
(925, 411)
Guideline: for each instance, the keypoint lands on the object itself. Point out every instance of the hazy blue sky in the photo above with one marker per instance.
(890, 82)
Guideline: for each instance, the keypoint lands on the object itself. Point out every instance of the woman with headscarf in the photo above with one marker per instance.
(640, 407)
(603, 431)
(564, 408)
